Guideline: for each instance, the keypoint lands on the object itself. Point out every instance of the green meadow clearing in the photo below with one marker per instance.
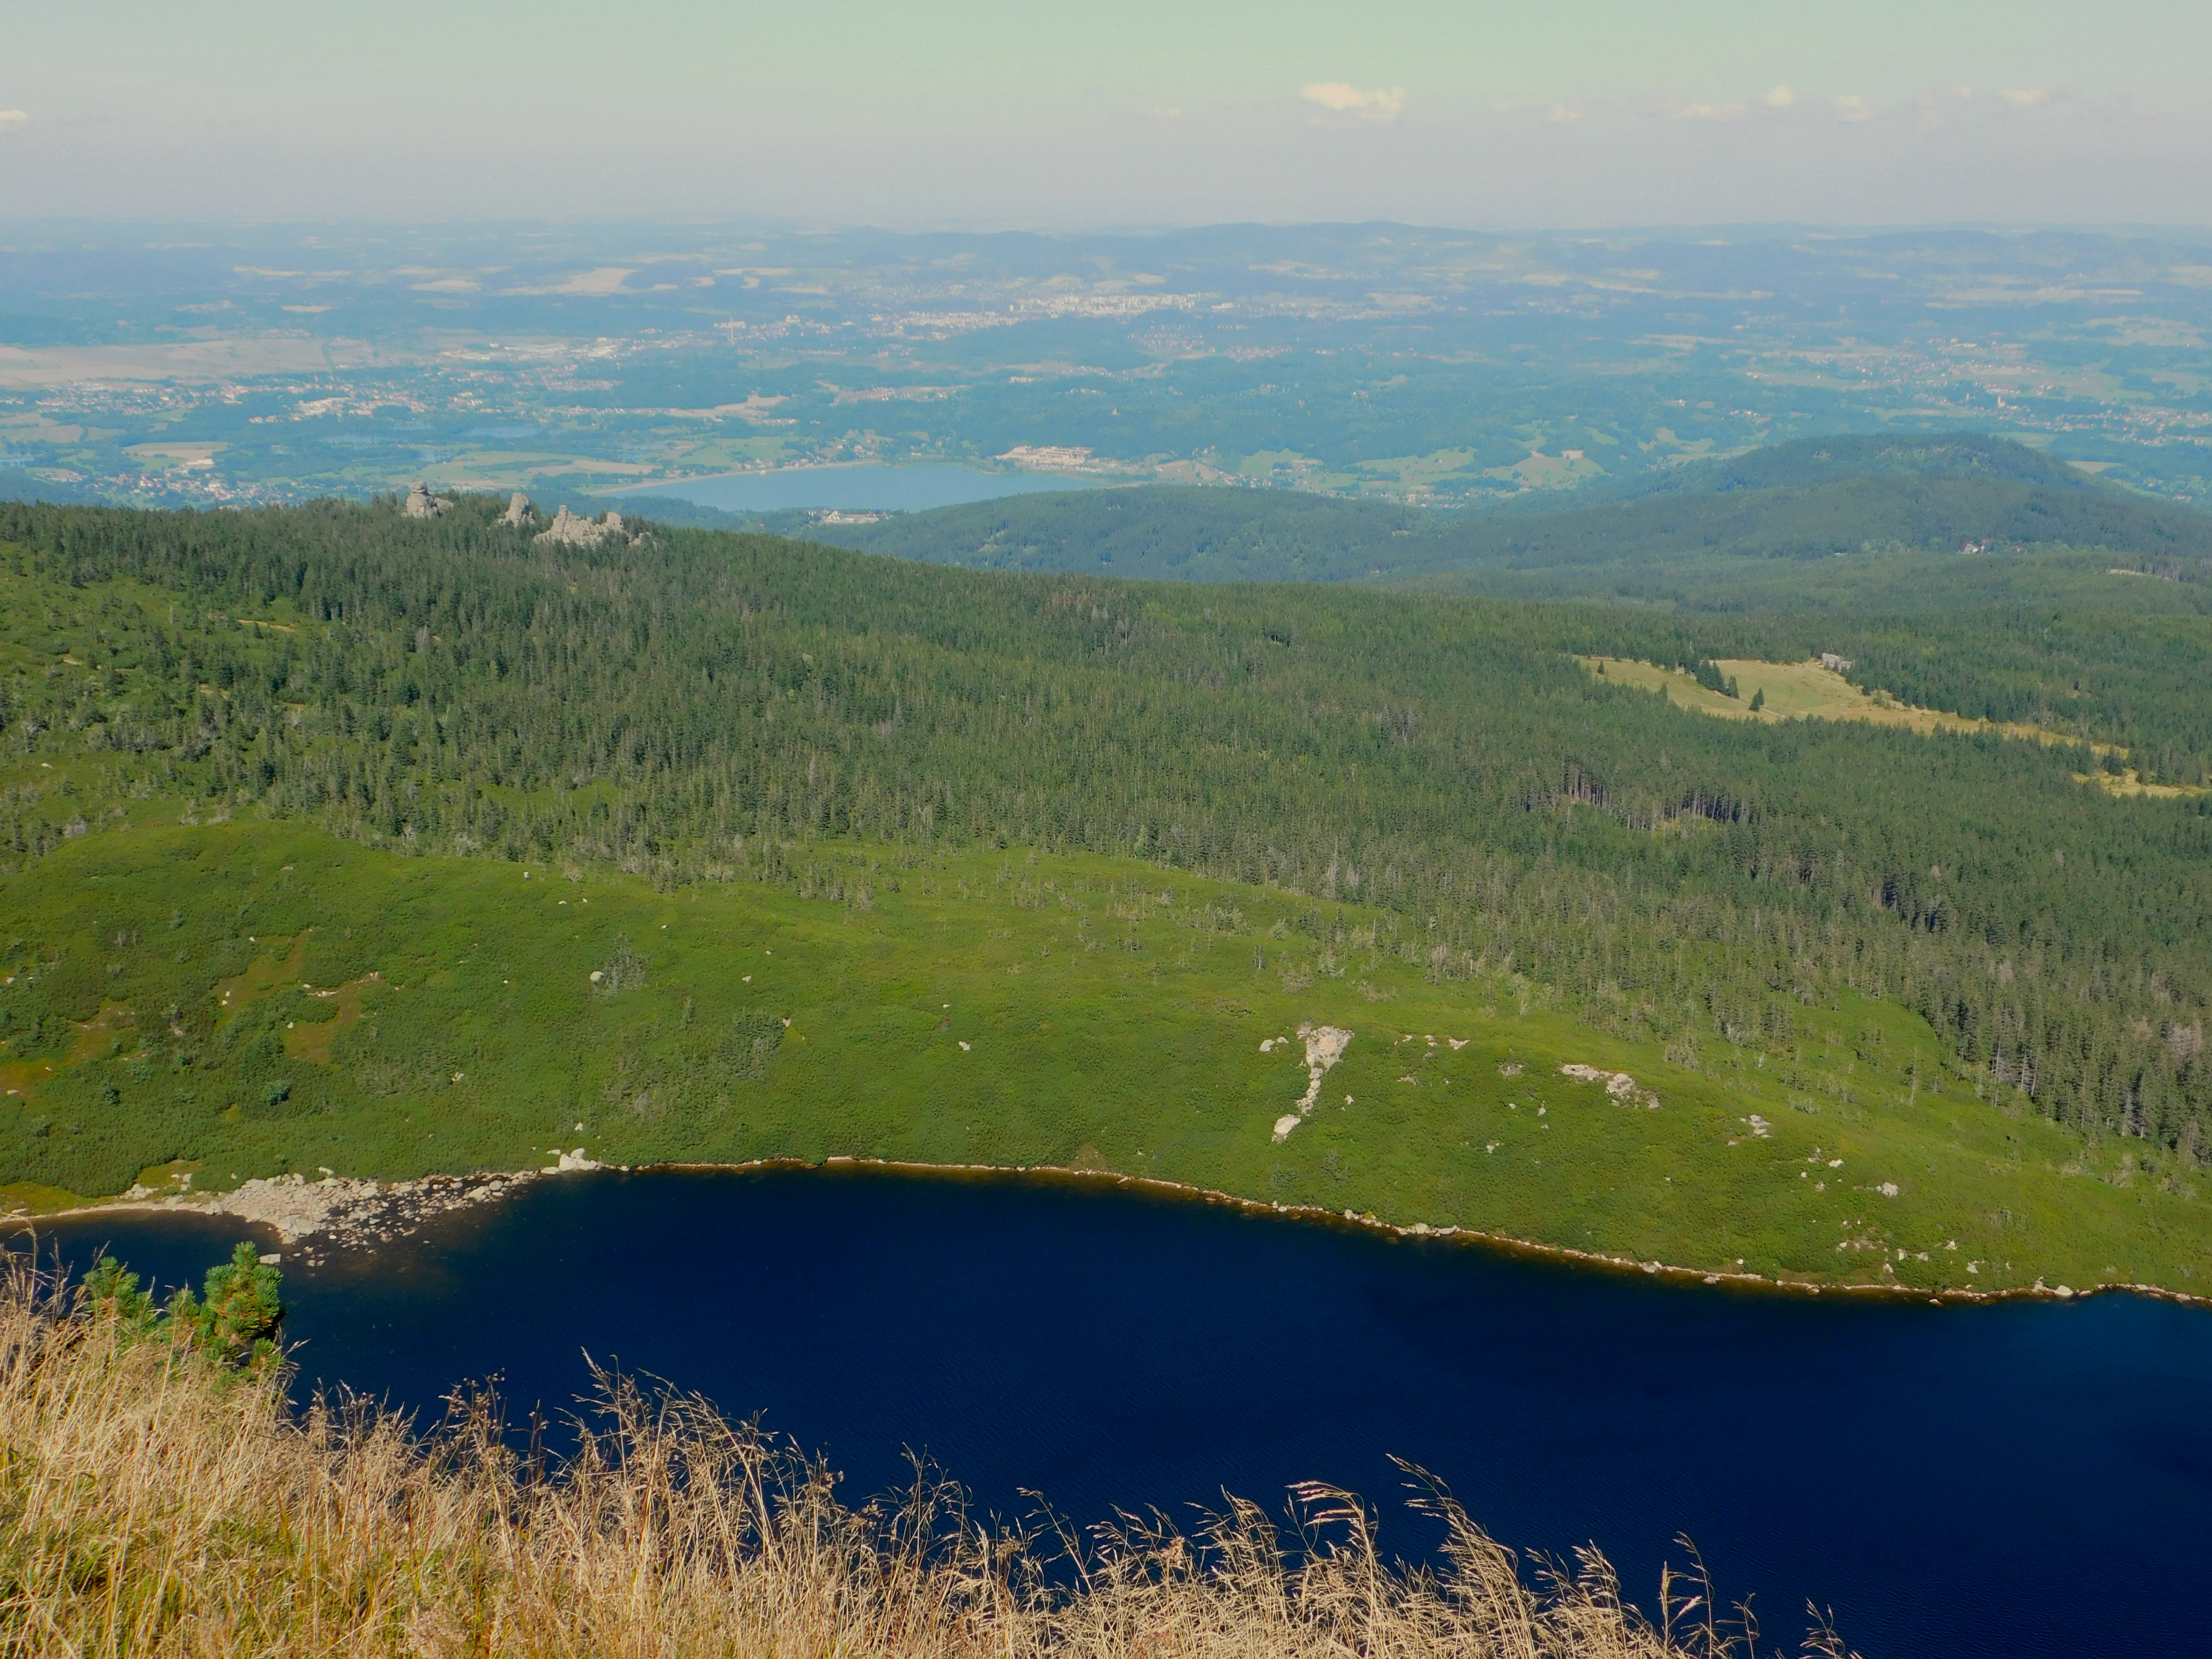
(233, 1000)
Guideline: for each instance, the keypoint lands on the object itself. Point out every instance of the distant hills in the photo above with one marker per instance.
(1876, 455)
(1690, 538)
(20, 484)
(1171, 533)
(1871, 522)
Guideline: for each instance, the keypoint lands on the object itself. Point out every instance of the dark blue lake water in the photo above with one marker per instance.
(861, 489)
(2010, 1480)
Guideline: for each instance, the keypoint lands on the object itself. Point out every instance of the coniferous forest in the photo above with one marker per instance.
(700, 707)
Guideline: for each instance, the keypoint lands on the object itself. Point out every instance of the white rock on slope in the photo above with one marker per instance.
(1325, 1046)
(1619, 1085)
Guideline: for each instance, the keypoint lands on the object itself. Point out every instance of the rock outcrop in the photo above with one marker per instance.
(518, 510)
(422, 504)
(1325, 1046)
(579, 532)
(354, 1212)
(1619, 1085)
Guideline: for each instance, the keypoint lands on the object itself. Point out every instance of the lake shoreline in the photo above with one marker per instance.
(349, 1212)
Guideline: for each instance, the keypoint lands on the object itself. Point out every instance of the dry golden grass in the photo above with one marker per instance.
(1805, 691)
(153, 1505)
(2126, 783)
(1799, 691)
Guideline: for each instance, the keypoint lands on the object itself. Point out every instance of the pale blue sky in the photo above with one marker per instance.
(985, 113)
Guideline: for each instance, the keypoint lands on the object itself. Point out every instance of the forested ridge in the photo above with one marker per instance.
(1730, 534)
(704, 706)
(1190, 533)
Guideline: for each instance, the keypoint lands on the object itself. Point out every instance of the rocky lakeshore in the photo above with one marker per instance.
(312, 1217)
(357, 1215)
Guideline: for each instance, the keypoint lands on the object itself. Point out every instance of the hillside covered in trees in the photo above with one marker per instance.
(1733, 534)
(703, 707)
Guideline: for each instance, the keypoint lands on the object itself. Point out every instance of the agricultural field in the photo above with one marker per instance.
(231, 1001)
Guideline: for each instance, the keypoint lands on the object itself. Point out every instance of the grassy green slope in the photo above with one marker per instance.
(1005, 1008)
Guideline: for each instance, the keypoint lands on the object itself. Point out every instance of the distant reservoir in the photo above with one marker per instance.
(2017, 1479)
(866, 488)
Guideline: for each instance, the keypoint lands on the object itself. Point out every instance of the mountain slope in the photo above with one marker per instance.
(1696, 534)
(1804, 461)
(703, 707)
(1168, 532)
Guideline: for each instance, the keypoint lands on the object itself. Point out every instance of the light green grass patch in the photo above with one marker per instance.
(998, 1008)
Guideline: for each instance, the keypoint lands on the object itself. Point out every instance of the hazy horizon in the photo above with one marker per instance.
(983, 116)
(1685, 231)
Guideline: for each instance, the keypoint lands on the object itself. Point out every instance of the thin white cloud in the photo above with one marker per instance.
(1375, 104)
(1783, 97)
(1562, 114)
(1853, 107)
(12, 119)
(1710, 111)
(2025, 97)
